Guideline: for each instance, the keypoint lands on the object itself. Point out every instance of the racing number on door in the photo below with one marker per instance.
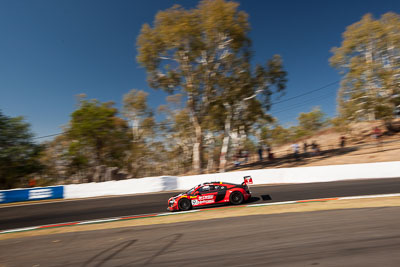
(195, 202)
(206, 195)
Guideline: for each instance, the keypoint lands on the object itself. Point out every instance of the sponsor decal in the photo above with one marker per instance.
(40, 193)
(196, 202)
(206, 201)
(206, 197)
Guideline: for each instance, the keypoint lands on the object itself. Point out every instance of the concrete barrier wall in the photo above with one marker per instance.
(30, 194)
(168, 183)
(301, 174)
(264, 176)
(123, 187)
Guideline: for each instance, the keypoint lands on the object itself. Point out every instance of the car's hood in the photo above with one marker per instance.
(179, 195)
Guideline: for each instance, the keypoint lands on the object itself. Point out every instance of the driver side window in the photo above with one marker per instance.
(204, 189)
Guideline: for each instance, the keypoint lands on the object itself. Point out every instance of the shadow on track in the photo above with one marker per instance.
(252, 200)
(114, 250)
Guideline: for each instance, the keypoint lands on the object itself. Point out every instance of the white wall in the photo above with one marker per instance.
(264, 176)
(123, 187)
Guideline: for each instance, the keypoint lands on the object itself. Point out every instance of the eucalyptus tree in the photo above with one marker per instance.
(98, 136)
(312, 121)
(136, 110)
(369, 61)
(19, 155)
(178, 135)
(213, 125)
(185, 50)
(274, 135)
(246, 97)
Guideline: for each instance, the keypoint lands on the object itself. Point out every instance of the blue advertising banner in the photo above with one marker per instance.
(36, 193)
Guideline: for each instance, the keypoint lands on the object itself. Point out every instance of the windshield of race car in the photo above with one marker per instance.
(192, 190)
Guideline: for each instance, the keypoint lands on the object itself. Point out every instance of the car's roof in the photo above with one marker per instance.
(214, 183)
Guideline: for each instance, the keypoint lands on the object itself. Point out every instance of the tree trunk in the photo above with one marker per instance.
(371, 116)
(135, 130)
(210, 149)
(98, 151)
(185, 158)
(225, 143)
(197, 148)
(370, 85)
(243, 135)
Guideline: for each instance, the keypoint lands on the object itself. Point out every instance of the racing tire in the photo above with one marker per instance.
(184, 204)
(236, 198)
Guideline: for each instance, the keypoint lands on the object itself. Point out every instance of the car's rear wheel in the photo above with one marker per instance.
(236, 198)
(184, 204)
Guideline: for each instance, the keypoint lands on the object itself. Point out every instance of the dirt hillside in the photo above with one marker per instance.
(360, 147)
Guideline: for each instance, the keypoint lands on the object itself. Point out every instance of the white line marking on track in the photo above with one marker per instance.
(177, 212)
(270, 204)
(19, 230)
(99, 221)
(191, 211)
(371, 196)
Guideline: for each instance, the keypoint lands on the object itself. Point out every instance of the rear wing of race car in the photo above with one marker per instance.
(248, 180)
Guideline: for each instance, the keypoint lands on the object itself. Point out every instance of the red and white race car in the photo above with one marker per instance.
(211, 193)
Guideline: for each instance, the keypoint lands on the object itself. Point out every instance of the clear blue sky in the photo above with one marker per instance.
(52, 50)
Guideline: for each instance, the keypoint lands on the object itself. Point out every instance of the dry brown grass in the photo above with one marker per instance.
(361, 147)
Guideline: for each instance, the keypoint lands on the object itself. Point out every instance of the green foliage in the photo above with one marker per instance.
(247, 94)
(78, 160)
(270, 79)
(190, 51)
(178, 134)
(136, 110)
(18, 153)
(275, 135)
(250, 145)
(143, 125)
(135, 105)
(341, 124)
(204, 53)
(310, 122)
(368, 60)
(98, 136)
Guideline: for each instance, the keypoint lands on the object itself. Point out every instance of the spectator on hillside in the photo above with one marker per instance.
(245, 155)
(315, 148)
(342, 141)
(32, 182)
(270, 154)
(377, 134)
(296, 149)
(305, 146)
(260, 153)
(237, 158)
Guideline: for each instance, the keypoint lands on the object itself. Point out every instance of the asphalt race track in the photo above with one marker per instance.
(88, 209)
(352, 237)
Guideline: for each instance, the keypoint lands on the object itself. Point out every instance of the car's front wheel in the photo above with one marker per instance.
(184, 204)
(236, 198)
